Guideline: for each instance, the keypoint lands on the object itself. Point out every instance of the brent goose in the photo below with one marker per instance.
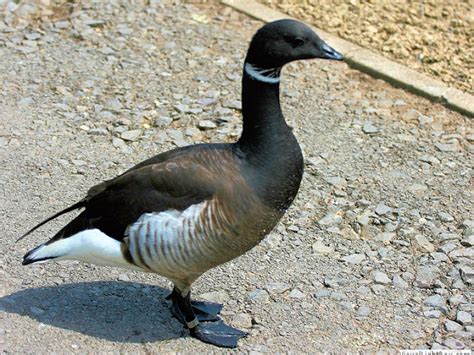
(190, 209)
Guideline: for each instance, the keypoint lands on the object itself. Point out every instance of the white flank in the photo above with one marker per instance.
(168, 241)
(269, 76)
(91, 246)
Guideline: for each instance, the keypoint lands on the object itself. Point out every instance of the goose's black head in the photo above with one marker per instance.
(283, 41)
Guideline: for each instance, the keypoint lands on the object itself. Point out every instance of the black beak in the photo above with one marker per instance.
(330, 53)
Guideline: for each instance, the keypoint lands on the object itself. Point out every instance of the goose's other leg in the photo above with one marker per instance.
(204, 311)
(204, 324)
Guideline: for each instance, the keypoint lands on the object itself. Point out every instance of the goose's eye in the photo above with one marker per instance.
(295, 41)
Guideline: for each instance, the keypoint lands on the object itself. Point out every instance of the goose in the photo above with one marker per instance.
(190, 209)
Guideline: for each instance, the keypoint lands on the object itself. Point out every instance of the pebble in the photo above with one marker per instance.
(429, 159)
(425, 276)
(277, 287)
(445, 217)
(215, 296)
(322, 293)
(362, 312)
(206, 125)
(242, 320)
(113, 105)
(399, 282)
(98, 131)
(454, 344)
(163, 121)
(381, 278)
(259, 295)
(468, 241)
(233, 104)
(354, 258)
(295, 293)
(435, 301)
(423, 120)
(447, 147)
(330, 219)
(319, 248)
(25, 101)
(385, 237)
(464, 318)
(468, 227)
(451, 326)
(132, 135)
(369, 128)
(382, 209)
(423, 244)
(433, 313)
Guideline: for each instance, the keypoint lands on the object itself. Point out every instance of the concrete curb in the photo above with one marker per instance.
(373, 64)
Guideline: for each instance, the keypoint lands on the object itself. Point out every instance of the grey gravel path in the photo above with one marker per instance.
(376, 253)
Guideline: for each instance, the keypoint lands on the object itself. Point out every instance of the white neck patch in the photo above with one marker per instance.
(269, 76)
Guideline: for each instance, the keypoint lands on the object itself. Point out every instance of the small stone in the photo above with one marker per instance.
(445, 217)
(277, 287)
(425, 276)
(319, 248)
(163, 121)
(233, 104)
(433, 313)
(132, 135)
(454, 147)
(455, 300)
(206, 125)
(123, 277)
(369, 128)
(454, 344)
(435, 301)
(464, 318)
(242, 320)
(382, 209)
(468, 227)
(181, 108)
(423, 244)
(98, 132)
(416, 334)
(399, 282)
(113, 105)
(429, 159)
(385, 237)
(468, 241)
(323, 293)
(215, 296)
(259, 295)
(25, 101)
(354, 258)
(295, 293)
(423, 120)
(363, 312)
(451, 326)
(330, 219)
(381, 278)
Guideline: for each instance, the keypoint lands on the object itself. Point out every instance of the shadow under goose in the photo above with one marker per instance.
(125, 312)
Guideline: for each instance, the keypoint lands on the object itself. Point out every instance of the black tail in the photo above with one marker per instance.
(77, 205)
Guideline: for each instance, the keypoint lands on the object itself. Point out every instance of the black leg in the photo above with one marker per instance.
(211, 329)
(204, 311)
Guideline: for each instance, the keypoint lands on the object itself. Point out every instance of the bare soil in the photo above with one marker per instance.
(434, 37)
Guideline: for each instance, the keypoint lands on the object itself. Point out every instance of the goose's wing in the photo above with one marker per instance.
(112, 206)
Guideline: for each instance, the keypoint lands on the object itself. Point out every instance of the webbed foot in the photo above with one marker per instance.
(203, 321)
(218, 333)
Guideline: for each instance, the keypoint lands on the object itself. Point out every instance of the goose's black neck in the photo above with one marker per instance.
(263, 121)
(274, 163)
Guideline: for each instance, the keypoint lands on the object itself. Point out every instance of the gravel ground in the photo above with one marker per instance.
(431, 36)
(376, 252)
